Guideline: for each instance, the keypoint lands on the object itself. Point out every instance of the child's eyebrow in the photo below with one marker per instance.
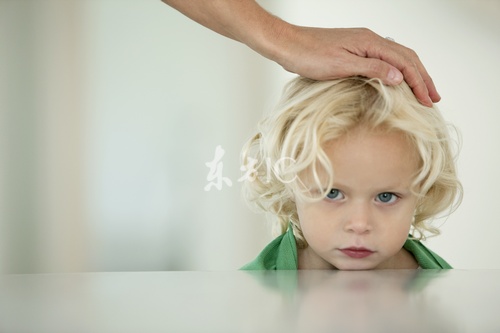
(391, 187)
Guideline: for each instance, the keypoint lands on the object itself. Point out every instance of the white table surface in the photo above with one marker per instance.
(284, 301)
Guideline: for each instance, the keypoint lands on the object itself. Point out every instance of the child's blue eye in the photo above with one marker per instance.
(334, 194)
(386, 197)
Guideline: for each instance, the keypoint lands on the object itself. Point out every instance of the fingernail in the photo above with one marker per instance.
(427, 102)
(394, 76)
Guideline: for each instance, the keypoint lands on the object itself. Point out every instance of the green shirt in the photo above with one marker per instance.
(281, 254)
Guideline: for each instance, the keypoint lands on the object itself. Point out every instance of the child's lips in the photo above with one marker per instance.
(357, 252)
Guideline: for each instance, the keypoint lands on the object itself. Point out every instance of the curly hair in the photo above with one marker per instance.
(312, 113)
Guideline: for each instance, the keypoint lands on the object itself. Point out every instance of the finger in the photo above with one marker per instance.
(390, 75)
(433, 94)
(408, 63)
(417, 84)
(415, 75)
(431, 88)
(373, 68)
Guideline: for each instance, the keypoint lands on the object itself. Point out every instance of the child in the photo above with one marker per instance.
(348, 167)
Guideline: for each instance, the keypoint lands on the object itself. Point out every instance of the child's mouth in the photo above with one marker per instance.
(357, 252)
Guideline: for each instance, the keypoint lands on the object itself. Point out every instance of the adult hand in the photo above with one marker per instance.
(316, 53)
(322, 54)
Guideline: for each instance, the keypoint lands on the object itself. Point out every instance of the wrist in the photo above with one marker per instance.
(274, 42)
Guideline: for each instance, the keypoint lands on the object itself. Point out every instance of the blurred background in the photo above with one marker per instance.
(110, 110)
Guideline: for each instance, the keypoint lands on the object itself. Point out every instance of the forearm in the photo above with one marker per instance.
(242, 20)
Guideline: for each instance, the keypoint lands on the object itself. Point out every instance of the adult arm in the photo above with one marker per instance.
(317, 53)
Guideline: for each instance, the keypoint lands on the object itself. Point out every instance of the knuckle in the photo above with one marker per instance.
(368, 33)
(411, 53)
(364, 33)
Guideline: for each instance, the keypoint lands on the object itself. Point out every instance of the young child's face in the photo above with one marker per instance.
(365, 219)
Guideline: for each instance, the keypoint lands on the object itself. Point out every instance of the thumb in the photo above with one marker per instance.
(375, 68)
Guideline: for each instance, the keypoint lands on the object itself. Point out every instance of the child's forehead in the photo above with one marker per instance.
(366, 134)
(363, 145)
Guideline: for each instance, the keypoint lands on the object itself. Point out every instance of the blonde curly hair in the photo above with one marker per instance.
(312, 113)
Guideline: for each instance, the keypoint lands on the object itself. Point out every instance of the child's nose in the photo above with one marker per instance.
(359, 219)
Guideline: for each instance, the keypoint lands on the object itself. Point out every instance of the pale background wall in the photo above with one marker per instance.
(111, 108)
